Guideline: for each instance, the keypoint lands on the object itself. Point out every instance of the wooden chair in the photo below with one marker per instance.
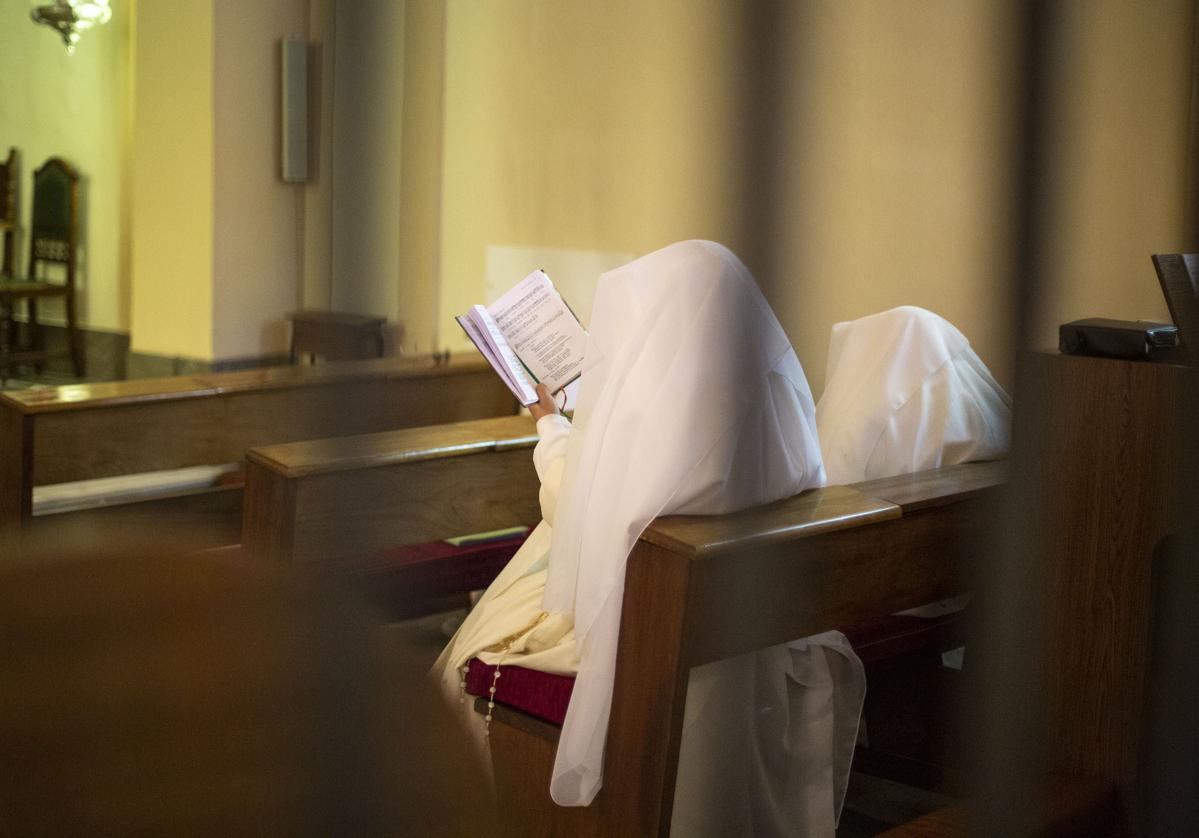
(8, 211)
(335, 336)
(53, 240)
(8, 228)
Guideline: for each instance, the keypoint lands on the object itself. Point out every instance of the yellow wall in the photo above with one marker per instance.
(258, 219)
(615, 127)
(1120, 155)
(216, 233)
(581, 126)
(448, 127)
(75, 107)
(173, 181)
(893, 187)
(420, 175)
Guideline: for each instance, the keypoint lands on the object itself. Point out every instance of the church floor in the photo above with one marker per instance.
(873, 805)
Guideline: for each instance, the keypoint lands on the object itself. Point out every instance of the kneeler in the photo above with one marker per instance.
(878, 642)
(912, 712)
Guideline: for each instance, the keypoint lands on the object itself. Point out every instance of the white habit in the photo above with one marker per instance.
(904, 392)
(691, 401)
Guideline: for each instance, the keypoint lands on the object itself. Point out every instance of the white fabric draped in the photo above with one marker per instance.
(692, 401)
(768, 740)
(768, 737)
(905, 392)
(513, 600)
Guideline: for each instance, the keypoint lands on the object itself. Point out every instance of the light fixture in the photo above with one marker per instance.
(70, 18)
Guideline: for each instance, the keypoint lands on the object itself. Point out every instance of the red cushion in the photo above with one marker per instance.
(539, 694)
(547, 696)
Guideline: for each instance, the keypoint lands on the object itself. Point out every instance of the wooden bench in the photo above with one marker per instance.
(1098, 507)
(824, 559)
(62, 435)
(1084, 640)
(339, 500)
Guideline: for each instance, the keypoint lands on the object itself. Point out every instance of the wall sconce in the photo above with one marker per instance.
(70, 18)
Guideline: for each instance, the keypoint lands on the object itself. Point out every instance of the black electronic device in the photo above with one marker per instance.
(1138, 340)
(1178, 274)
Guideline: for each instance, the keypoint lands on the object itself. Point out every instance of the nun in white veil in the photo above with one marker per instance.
(768, 737)
(904, 392)
(692, 401)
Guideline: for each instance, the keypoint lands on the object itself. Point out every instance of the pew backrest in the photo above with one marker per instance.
(342, 499)
(701, 589)
(81, 432)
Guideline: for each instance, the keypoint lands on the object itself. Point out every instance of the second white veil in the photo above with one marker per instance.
(904, 393)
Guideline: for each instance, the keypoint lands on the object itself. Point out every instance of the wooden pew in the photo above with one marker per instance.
(1105, 435)
(823, 559)
(1104, 479)
(1104, 488)
(82, 432)
(339, 500)
(701, 589)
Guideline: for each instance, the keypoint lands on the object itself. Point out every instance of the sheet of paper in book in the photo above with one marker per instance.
(529, 335)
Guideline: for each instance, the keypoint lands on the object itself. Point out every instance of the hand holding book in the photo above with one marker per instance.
(545, 404)
(529, 336)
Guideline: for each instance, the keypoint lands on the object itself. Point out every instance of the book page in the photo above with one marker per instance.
(501, 355)
(542, 330)
(479, 339)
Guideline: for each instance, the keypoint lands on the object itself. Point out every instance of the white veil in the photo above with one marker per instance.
(692, 401)
(905, 392)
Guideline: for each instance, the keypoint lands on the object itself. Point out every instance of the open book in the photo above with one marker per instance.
(529, 336)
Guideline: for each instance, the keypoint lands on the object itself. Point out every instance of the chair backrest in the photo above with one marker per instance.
(53, 232)
(8, 188)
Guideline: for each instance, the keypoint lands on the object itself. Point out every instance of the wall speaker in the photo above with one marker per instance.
(294, 78)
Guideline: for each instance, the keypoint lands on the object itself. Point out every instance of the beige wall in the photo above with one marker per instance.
(172, 235)
(448, 127)
(258, 219)
(421, 154)
(893, 190)
(620, 129)
(217, 236)
(593, 127)
(1121, 158)
(317, 290)
(75, 107)
(368, 106)
(567, 125)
